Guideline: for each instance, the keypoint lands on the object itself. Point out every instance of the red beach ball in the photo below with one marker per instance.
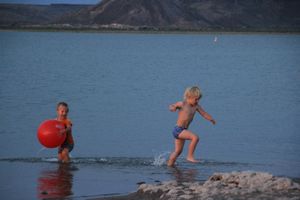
(49, 133)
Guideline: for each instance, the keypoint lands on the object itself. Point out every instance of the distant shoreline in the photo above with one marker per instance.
(274, 16)
(87, 30)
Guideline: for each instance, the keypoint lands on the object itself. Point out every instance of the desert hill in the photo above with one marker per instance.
(211, 15)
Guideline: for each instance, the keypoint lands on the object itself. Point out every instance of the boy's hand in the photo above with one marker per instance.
(213, 121)
(172, 108)
(62, 131)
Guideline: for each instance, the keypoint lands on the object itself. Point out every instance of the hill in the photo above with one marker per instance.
(16, 15)
(199, 15)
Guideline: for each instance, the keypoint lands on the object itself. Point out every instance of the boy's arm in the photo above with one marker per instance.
(66, 130)
(175, 106)
(205, 114)
(69, 127)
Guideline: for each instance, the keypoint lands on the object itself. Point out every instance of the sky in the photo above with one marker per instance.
(51, 1)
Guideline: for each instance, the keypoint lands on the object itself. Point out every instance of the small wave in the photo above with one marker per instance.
(25, 160)
(223, 163)
(54, 160)
(106, 161)
(156, 161)
(116, 161)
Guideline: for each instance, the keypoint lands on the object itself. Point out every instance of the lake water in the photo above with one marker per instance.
(119, 86)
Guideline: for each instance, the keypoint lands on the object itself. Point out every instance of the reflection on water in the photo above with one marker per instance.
(182, 175)
(55, 183)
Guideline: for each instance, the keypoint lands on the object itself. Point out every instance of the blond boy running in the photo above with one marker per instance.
(187, 109)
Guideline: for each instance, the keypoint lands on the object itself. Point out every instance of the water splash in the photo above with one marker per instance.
(42, 149)
(160, 159)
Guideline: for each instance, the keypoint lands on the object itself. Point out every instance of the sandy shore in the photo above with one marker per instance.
(234, 185)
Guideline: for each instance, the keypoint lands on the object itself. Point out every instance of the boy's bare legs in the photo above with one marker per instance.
(188, 135)
(179, 143)
(59, 157)
(64, 156)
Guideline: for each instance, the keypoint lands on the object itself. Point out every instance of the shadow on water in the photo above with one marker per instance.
(55, 184)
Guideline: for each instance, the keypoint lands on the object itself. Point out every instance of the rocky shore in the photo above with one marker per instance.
(234, 185)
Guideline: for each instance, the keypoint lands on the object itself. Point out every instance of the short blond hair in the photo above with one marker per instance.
(192, 92)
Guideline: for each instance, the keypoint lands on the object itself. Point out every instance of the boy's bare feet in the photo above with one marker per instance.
(171, 163)
(193, 160)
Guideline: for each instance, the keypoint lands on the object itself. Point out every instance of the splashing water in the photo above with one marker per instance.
(160, 159)
(42, 149)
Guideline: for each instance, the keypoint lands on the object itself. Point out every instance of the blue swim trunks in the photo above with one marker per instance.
(177, 130)
(65, 145)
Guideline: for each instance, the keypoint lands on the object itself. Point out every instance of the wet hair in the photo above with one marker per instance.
(62, 104)
(192, 92)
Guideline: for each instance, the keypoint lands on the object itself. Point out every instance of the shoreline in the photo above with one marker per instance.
(120, 31)
(234, 185)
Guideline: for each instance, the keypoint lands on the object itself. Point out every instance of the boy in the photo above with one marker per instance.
(62, 110)
(187, 110)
